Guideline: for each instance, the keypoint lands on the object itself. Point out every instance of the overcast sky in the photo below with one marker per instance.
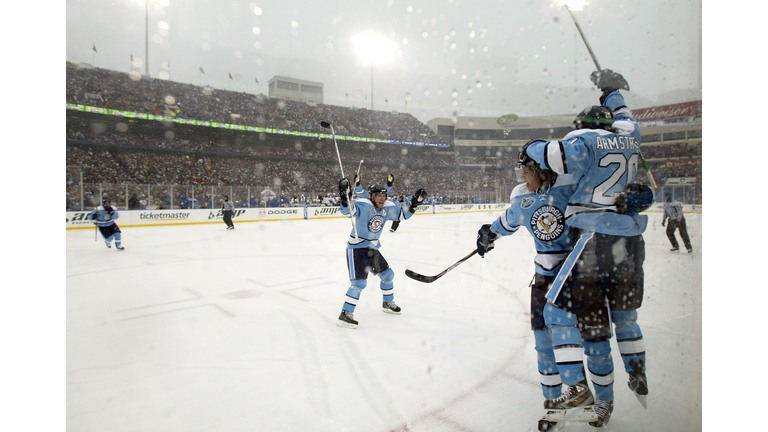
(446, 57)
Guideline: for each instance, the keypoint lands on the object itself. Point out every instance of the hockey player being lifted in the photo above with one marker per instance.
(538, 205)
(606, 262)
(369, 216)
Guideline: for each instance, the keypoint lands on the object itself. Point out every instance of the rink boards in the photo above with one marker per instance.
(143, 218)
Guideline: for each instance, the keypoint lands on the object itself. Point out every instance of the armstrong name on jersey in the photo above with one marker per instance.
(547, 223)
(617, 143)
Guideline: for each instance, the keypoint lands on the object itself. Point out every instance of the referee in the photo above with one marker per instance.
(674, 211)
(228, 207)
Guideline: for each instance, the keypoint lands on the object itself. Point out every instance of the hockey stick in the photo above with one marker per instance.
(429, 279)
(327, 125)
(599, 69)
(358, 167)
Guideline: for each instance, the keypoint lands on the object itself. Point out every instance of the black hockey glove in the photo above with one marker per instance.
(635, 199)
(417, 199)
(344, 192)
(390, 180)
(485, 239)
(608, 81)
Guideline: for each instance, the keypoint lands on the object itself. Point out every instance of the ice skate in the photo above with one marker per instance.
(109, 245)
(347, 319)
(690, 250)
(638, 383)
(574, 405)
(390, 307)
(119, 247)
(548, 425)
(603, 409)
(674, 249)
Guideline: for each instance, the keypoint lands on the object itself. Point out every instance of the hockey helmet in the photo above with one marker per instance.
(376, 189)
(594, 117)
(106, 200)
(526, 162)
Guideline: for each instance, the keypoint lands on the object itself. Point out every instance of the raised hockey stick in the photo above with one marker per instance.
(599, 69)
(327, 125)
(429, 279)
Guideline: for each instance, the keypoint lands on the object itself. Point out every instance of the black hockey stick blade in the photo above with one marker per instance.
(325, 124)
(429, 279)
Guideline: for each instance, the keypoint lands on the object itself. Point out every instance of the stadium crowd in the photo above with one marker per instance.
(122, 91)
(185, 162)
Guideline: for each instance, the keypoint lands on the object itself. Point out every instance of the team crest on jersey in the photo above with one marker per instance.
(376, 224)
(548, 223)
(527, 202)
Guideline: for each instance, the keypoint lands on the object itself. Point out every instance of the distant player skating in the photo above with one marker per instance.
(104, 217)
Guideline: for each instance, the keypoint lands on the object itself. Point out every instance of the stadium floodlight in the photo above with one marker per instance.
(574, 5)
(373, 48)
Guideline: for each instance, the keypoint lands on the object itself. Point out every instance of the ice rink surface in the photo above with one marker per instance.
(196, 328)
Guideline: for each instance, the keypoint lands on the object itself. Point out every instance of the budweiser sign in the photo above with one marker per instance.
(686, 109)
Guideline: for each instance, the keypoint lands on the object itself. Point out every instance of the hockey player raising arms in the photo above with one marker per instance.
(369, 216)
(606, 263)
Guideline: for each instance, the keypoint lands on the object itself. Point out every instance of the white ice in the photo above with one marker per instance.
(196, 328)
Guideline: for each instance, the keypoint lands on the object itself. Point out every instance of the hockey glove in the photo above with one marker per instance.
(485, 239)
(608, 80)
(635, 199)
(344, 192)
(390, 180)
(417, 199)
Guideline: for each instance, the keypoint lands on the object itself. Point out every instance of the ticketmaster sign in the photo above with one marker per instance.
(141, 218)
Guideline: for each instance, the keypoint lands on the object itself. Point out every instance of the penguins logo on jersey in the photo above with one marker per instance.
(548, 223)
(376, 224)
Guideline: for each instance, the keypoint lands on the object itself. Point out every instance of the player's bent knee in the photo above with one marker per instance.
(388, 275)
(359, 284)
(623, 317)
(556, 317)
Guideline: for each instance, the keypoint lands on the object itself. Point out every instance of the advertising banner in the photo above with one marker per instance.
(143, 218)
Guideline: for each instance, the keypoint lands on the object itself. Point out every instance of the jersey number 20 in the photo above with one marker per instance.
(623, 166)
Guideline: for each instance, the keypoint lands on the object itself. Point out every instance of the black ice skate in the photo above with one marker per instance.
(638, 383)
(390, 307)
(674, 249)
(603, 409)
(347, 319)
(574, 405)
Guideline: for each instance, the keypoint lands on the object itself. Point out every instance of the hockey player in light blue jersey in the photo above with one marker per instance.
(539, 206)
(369, 216)
(606, 263)
(104, 217)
